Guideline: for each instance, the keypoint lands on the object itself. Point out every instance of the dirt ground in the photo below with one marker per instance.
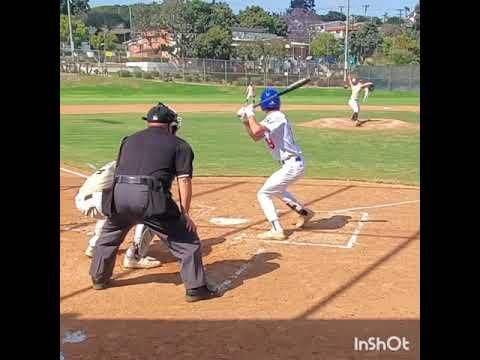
(354, 272)
(367, 124)
(141, 108)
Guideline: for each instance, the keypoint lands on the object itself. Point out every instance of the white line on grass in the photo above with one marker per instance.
(74, 173)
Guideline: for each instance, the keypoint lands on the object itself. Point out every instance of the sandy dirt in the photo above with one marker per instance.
(366, 124)
(143, 108)
(283, 301)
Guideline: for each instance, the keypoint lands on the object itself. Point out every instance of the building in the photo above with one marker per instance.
(337, 28)
(244, 35)
(152, 44)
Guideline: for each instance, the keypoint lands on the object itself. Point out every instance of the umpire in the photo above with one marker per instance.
(146, 165)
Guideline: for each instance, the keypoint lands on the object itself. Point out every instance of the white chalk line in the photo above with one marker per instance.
(74, 173)
(352, 241)
(369, 207)
(356, 232)
(224, 285)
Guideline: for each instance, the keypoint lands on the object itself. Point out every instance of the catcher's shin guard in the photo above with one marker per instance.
(142, 240)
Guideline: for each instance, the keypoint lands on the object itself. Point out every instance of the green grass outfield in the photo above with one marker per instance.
(114, 90)
(222, 147)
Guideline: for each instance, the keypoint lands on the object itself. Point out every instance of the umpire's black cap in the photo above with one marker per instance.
(161, 113)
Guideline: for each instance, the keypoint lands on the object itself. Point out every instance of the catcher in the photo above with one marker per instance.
(86, 200)
(356, 86)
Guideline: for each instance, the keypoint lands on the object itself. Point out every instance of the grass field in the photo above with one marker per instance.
(95, 90)
(223, 148)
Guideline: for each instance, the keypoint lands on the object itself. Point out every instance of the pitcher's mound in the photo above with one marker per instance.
(367, 124)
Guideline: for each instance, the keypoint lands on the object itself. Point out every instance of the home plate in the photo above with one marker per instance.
(228, 221)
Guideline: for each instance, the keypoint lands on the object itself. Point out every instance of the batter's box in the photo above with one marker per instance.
(335, 229)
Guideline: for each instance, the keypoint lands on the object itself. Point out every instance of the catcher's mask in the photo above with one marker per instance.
(161, 113)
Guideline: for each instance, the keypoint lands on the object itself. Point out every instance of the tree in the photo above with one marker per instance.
(417, 17)
(391, 30)
(279, 25)
(325, 44)
(222, 15)
(308, 5)
(255, 16)
(333, 16)
(79, 30)
(402, 49)
(216, 43)
(104, 19)
(103, 40)
(77, 7)
(262, 49)
(364, 42)
(395, 20)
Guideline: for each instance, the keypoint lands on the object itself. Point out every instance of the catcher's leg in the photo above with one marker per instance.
(96, 235)
(136, 256)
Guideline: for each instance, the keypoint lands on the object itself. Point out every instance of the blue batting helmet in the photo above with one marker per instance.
(273, 102)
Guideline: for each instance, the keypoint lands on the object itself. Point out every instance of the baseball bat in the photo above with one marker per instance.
(289, 88)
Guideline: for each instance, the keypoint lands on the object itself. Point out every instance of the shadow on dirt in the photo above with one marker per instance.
(217, 272)
(232, 339)
(334, 222)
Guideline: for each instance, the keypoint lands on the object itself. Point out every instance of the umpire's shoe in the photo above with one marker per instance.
(100, 284)
(201, 293)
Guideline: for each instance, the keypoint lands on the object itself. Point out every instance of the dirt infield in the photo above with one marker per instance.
(142, 108)
(367, 124)
(354, 272)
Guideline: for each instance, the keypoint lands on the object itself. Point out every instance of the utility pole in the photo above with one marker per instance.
(345, 67)
(400, 12)
(132, 29)
(72, 48)
(341, 8)
(365, 7)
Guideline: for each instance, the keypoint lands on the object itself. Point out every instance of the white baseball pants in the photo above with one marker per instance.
(354, 105)
(276, 185)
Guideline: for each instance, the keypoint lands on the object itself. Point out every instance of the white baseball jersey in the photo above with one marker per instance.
(356, 91)
(279, 136)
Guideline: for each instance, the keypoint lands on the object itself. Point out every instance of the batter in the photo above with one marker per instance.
(277, 133)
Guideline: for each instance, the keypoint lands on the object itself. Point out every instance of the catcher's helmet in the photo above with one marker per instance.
(273, 102)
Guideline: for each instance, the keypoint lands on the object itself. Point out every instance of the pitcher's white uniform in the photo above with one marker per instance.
(282, 145)
(353, 102)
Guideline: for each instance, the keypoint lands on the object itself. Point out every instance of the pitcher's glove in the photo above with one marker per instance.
(371, 87)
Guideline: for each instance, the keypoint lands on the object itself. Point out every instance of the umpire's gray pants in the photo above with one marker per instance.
(183, 244)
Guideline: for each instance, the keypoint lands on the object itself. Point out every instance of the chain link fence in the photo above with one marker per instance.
(276, 72)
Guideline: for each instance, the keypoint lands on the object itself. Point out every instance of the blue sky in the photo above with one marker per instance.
(377, 7)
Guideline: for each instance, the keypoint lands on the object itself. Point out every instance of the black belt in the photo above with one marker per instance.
(150, 181)
(297, 158)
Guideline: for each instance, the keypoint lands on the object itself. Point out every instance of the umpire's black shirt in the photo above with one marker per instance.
(155, 152)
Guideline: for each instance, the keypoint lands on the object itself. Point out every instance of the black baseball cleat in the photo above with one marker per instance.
(201, 293)
(100, 284)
